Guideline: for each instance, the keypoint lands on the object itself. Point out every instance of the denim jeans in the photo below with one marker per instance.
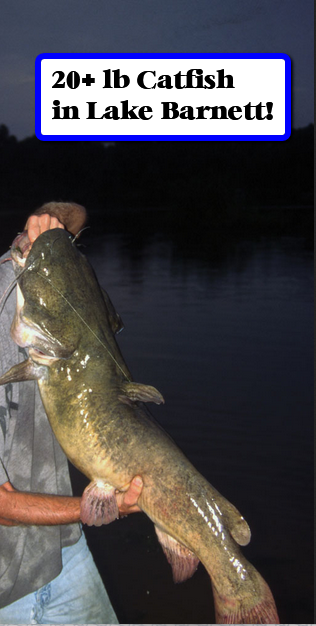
(76, 596)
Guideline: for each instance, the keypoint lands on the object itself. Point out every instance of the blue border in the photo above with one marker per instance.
(39, 135)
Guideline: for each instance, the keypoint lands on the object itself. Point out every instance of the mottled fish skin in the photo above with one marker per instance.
(99, 417)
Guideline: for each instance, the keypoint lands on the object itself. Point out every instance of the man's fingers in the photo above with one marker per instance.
(44, 222)
(137, 485)
(55, 223)
(32, 227)
(132, 494)
(38, 224)
(127, 498)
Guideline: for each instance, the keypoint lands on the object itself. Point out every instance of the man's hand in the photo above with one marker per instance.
(38, 224)
(67, 215)
(127, 500)
(73, 216)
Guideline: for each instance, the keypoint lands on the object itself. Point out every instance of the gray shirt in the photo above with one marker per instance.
(32, 460)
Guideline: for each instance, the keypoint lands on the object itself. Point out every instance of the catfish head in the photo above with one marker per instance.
(60, 305)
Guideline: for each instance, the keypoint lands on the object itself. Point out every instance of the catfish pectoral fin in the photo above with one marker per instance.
(182, 560)
(144, 393)
(98, 504)
(27, 370)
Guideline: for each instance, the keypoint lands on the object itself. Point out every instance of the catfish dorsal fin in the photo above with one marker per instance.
(27, 370)
(144, 393)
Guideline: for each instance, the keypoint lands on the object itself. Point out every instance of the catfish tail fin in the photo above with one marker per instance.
(256, 608)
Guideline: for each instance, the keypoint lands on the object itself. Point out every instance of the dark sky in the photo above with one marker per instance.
(31, 27)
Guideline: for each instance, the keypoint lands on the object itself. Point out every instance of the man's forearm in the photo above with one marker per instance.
(17, 507)
(20, 507)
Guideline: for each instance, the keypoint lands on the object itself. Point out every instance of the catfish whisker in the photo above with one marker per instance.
(8, 290)
(6, 294)
(79, 233)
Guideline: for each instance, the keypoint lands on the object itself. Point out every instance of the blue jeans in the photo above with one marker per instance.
(76, 596)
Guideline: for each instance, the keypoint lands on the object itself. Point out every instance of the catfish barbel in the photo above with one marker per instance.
(99, 416)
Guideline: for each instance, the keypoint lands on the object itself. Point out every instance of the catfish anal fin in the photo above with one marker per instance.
(183, 562)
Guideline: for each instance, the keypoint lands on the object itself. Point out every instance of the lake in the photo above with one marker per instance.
(226, 336)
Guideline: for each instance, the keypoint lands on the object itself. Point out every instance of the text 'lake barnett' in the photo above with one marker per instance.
(170, 111)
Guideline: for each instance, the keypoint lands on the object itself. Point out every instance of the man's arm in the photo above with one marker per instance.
(19, 507)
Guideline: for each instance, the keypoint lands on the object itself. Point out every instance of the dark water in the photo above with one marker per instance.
(228, 341)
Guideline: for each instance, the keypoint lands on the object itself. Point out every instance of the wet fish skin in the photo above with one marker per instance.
(99, 417)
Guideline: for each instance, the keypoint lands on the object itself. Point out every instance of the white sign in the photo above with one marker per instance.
(162, 97)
